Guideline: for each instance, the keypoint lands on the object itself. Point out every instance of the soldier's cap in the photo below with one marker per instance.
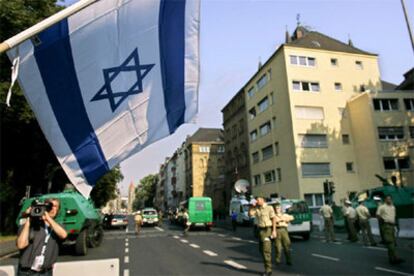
(361, 200)
(377, 198)
(262, 195)
(348, 202)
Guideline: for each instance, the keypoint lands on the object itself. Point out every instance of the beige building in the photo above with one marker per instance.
(304, 123)
(236, 139)
(205, 166)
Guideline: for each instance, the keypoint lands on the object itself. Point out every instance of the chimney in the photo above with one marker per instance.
(350, 41)
(287, 37)
(260, 64)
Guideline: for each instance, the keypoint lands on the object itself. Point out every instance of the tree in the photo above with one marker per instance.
(105, 188)
(145, 193)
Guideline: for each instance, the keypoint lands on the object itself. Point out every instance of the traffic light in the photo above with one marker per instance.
(332, 187)
(326, 187)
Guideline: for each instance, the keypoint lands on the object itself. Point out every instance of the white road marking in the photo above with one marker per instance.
(126, 230)
(126, 259)
(126, 250)
(126, 244)
(210, 253)
(376, 248)
(234, 264)
(194, 245)
(221, 235)
(390, 270)
(176, 237)
(126, 239)
(252, 241)
(325, 257)
(236, 238)
(159, 228)
(183, 241)
(126, 272)
(337, 242)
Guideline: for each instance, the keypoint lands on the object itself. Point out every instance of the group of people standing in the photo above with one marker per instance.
(358, 218)
(272, 225)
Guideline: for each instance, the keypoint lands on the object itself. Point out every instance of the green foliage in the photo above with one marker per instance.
(105, 188)
(145, 192)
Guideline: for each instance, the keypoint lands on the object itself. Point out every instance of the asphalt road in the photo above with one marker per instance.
(165, 251)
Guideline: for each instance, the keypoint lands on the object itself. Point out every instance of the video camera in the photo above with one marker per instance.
(39, 208)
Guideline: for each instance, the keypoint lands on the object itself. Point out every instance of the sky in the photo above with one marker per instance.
(236, 34)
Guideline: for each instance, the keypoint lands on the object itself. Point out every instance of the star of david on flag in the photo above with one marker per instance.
(111, 79)
(106, 91)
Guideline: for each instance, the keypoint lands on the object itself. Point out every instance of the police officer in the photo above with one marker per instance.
(266, 223)
(327, 214)
(282, 235)
(363, 220)
(350, 216)
(386, 214)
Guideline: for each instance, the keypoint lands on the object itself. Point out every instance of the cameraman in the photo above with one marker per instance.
(38, 241)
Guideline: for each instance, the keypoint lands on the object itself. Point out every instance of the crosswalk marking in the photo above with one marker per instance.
(183, 241)
(176, 237)
(221, 235)
(126, 250)
(126, 259)
(159, 229)
(325, 257)
(210, 253)
(126, 272)
(391, 271)
(234, 264)
(376, 248)
(194, 245)
(236, 238)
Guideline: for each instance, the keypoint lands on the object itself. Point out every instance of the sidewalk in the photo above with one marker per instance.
(7, 247)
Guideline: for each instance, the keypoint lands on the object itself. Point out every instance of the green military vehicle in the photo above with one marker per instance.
(78, 216)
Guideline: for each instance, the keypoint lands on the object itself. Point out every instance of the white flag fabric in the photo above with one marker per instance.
(112, 79)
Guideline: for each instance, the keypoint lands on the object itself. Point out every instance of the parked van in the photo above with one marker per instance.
(241, 206)
(200, 212)
(149, 217)
(302, 224)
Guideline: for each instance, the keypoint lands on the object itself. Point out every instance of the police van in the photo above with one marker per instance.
(302, 224)
(241, 206)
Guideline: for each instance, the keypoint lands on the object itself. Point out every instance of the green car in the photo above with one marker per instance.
(200, 212)
(149, 217)
(302, 224)
(77, 215)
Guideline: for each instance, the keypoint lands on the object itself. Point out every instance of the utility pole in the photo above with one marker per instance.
(408, 24)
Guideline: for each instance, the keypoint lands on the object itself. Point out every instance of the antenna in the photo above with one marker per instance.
(298, 19)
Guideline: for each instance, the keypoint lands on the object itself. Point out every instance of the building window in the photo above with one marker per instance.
(396, 163)
(257, 180)
(313, 140)
(277, 148)
(221, 149)
(241, 126)
(272, 98)
(250, 92)
(315, 169)
(390, 133)
(411, 129)
(342, 112)
(305, 86)
(345, 139)
(385, 104)
(267, 152)
(263, 104)
(269, 176)
(262, 82)
(359, 65)
(252, 113)
(349, 166)
(409, 104)
(362, 88)
(338, 86)
(255, 157)
(309, 113)
(334, 62)
(265, 128)
(204, 149)
(314, 201)
(253, 135)
(304, 61)
(278, 175)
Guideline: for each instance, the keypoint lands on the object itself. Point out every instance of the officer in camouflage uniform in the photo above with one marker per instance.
(266, 223)
(282, 235)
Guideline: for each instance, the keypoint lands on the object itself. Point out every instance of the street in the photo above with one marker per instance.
(165, 251)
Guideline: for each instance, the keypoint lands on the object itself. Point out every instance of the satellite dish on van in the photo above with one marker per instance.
(241, 186)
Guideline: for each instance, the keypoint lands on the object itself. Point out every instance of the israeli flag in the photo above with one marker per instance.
(112, 79)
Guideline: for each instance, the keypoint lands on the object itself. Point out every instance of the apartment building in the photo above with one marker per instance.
(236, 139)
(300, 106)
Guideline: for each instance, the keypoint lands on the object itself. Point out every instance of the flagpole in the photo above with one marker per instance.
(34, 30)
(408, 24)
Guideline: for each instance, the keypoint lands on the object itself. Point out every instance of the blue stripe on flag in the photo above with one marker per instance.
(55, 62)
(172, 52)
